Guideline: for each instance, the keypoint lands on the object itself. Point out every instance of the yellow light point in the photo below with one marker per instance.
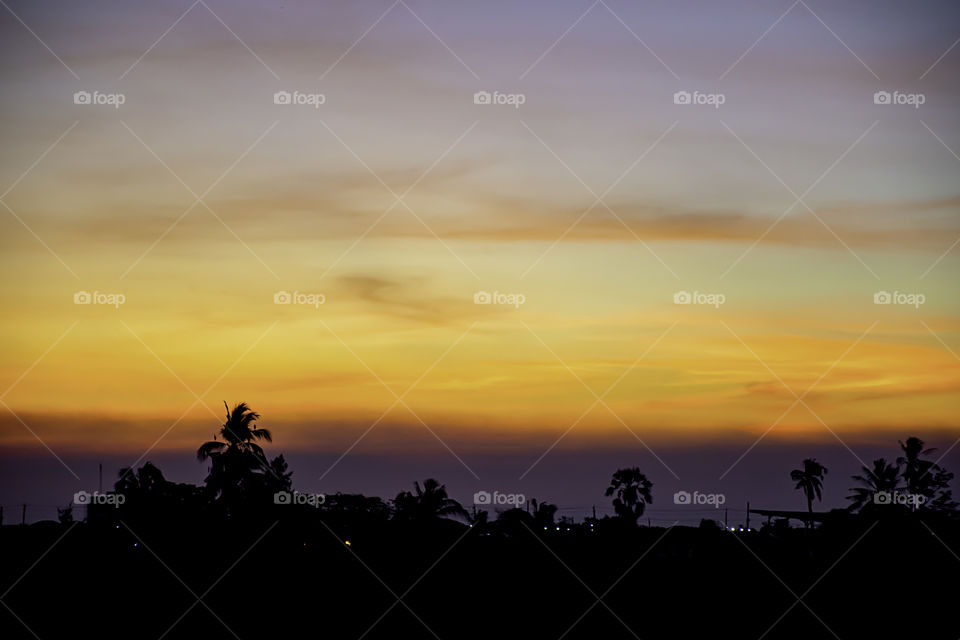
(346, 542)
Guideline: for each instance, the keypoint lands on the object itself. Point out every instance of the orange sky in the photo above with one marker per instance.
(712, 201)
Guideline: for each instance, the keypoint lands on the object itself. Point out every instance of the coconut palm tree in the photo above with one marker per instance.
(428, 502)
(237, 459)
(632, 491)
(881, 478)
(810, 480)
(238, 434)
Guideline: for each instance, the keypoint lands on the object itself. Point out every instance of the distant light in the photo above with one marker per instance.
(346, 542)
(733, 528)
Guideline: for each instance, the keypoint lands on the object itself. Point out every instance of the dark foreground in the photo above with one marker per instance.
(297, 578)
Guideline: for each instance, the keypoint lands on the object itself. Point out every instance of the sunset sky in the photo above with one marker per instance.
(398, 199)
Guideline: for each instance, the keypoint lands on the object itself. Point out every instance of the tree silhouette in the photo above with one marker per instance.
(925, 478)
(883, 477)
(543, 513)
(239, 467)
(632, 491)
(238, 434)
(810, 480)
(428, 502)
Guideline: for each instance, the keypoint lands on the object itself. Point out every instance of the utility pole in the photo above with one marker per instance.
(748, 515)
(101, 478)
(725, 526)
(594, 512)
(23, 515)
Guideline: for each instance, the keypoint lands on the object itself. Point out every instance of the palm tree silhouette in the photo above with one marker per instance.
(633, 493)
(925, 478)
(428, 502)
(882, 478)
(238, 434)
(237, 455)
(810, 480)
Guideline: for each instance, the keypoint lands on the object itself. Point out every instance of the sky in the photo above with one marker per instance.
(488, 290)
